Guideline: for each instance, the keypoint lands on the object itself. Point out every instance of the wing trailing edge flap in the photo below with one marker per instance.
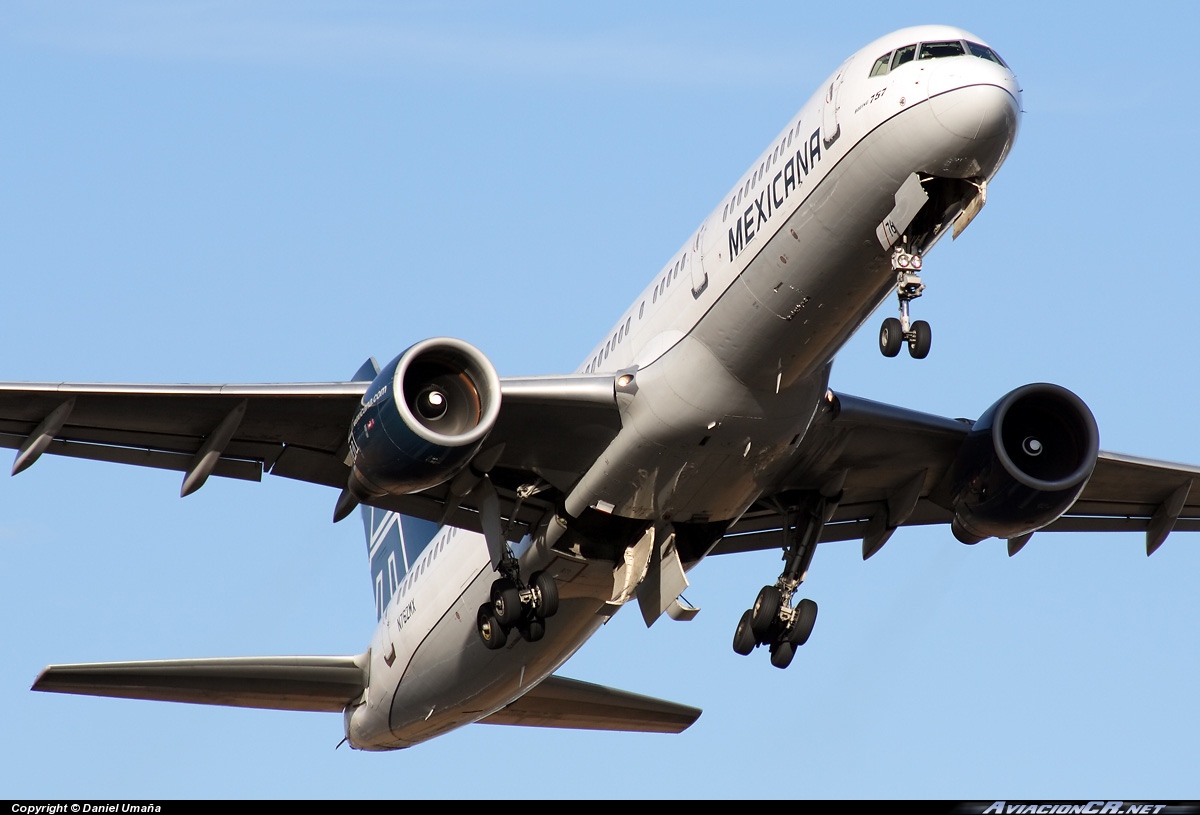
(311, 683)
(568, 703)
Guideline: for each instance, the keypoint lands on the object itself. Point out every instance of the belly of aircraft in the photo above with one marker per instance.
(448, 678)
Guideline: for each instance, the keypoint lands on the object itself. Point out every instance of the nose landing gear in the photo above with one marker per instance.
(894, 332)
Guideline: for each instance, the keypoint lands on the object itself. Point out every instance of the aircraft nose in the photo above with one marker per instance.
(978, 111)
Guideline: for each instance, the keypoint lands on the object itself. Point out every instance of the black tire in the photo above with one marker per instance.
(500, 584)
(506, 602)
(532, 630)
(765, 612)
(743, 637)
(547, 589)
(782, 653)
(490, 631)
(802, 625)
(921, 339)
(891, 337)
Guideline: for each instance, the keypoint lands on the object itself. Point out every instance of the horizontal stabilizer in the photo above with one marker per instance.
(569, 703)
(323, 684)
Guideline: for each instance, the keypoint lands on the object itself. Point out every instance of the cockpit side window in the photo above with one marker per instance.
(882, 64)
(977, 50)
(903, 55)
(936, 50)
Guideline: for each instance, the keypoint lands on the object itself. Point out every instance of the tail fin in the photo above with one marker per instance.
(393, 542)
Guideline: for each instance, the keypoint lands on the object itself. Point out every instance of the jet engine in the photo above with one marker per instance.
(422, 418)
(1023, 464)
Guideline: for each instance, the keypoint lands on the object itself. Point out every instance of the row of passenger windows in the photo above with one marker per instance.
(762, 170)
(418, 568)
(932, 50)
(660, 288)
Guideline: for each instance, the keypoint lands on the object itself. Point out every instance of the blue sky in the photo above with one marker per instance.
(231, 192)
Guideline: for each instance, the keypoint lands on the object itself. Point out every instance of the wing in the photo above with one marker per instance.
(550, 428)
(892, 466)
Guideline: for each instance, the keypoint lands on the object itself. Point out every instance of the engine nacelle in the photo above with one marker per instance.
(423, 418)
(1023, 464)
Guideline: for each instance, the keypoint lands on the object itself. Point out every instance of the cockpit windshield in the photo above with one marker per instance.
(936, 50)
(933, 50)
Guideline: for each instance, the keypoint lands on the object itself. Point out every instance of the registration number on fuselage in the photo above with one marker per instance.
(405, 615)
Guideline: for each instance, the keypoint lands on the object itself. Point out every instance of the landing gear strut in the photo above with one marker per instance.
(909, 287)
(515, 604)
(774, 621)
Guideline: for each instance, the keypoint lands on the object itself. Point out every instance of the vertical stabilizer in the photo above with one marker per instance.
(394, 541)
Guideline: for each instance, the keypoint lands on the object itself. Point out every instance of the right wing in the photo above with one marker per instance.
(896, 462)
(552, 429)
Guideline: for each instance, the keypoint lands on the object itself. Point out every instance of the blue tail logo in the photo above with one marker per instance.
(394, 542)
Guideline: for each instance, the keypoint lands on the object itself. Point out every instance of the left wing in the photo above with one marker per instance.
(550, 429)
(896, 464)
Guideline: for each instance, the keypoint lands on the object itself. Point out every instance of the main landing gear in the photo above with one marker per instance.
(514, 604)
(894, 332)
(774, 621)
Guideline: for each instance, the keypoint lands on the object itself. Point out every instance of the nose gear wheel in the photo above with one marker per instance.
(895, 332)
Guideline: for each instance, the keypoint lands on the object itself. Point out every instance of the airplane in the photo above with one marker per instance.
(703, 423)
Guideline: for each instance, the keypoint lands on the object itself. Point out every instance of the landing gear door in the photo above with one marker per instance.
(909, 199)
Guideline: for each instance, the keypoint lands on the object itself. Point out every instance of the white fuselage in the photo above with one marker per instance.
(731, 343)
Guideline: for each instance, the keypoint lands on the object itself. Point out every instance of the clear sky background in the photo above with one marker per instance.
(274, 191)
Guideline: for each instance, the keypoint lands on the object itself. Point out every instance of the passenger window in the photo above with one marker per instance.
(881, 65)
(903, 55)
(937, 50)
